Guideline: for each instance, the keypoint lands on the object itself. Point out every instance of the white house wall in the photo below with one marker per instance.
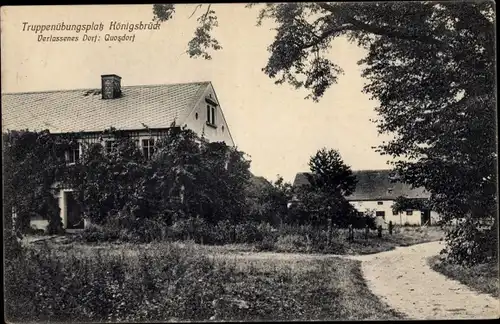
(434, 217)
(199, 125)
(401, 218)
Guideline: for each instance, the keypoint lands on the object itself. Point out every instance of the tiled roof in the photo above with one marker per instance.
(375, 185)
(155, 106)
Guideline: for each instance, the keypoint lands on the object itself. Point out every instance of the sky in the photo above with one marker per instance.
(274, 124)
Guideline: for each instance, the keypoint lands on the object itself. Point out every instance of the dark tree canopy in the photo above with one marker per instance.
(330, 181)
(330, 174)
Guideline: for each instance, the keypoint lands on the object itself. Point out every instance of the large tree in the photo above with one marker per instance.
(329, 182)
(430, 66)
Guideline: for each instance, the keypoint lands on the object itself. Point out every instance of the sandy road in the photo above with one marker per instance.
(403, 279)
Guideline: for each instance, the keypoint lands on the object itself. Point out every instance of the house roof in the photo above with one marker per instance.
(84, 110)
(375, 185)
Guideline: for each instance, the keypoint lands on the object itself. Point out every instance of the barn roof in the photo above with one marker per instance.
(84, 110)
(375, 185)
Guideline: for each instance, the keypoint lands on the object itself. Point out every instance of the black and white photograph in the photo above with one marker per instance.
(280, 161)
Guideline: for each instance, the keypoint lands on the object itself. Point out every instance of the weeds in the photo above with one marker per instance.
(264, 237)
(481, 277)
(166, 282)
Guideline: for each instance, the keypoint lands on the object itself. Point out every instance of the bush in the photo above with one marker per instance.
(198, 230)
(100, 233)
(267, 244)
(468, 243)
(248, 233)
(292, 243)
(201, 232)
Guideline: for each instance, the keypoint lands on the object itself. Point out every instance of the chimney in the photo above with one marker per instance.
(111, 86)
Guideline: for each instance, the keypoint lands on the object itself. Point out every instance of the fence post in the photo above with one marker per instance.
(367, 230)
(391, 226)
(379, 230)
(351, 233)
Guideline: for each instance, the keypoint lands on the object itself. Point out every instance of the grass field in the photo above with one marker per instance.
(481, 277)
(168, 281)
(63, 279)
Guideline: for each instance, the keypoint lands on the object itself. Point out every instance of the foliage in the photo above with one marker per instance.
(268, 202)
(110, 183)
(202, 40)
(185, 178)
(402, 204)
(330, 173)
(430, 65)
(34, 163)
(470, 241)
(322, 200)
(119, 187)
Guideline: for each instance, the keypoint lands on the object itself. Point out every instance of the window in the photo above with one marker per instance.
(210, 115)
(110, 146)
(380, 213)
(380, 202)
(148, 147)
(409, 212)
(73, 154)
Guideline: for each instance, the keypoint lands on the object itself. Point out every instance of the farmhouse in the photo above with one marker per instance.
(376, 192)
(143, 111)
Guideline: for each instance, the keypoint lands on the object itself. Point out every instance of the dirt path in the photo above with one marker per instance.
(403, 279)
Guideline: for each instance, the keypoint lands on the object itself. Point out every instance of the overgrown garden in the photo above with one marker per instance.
(189, 189)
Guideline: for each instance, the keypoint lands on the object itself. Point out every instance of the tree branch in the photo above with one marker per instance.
(206, 13)
(391, 32)
(194, 11)
(327, 33)
(356, 25)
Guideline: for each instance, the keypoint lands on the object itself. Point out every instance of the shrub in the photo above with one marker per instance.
(268, 243)
(248, 233)
(196, 229)
(221, 233)
(99, 233)
(467, 242)
(292, 243)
